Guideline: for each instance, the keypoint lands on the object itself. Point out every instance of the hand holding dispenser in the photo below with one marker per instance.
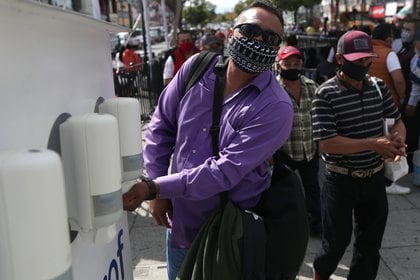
(90, 154)
(34, 234)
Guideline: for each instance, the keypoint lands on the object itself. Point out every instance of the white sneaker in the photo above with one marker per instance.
(394, 188)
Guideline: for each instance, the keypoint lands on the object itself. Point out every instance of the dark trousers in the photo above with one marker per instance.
(308, 171)
(342, 197)
(413, 130)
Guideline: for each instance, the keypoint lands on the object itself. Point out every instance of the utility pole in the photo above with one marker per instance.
(416, 9)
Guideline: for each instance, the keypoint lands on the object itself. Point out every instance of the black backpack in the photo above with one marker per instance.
(198, 67)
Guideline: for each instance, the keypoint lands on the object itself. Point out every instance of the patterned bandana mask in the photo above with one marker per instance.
(251, 56)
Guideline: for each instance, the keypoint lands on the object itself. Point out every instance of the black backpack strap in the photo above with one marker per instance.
(219, 88)
(199, 66)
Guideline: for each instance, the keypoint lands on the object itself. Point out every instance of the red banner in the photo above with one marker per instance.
(377, 12)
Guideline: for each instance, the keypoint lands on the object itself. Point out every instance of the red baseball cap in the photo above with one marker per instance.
(288, 51)
(354, 45)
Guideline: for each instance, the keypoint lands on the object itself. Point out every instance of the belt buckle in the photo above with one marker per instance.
(361, 173)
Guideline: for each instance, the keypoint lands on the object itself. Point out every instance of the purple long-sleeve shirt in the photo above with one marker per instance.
(256, 120)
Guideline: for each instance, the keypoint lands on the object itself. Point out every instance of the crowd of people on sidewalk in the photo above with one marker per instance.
(369, 75)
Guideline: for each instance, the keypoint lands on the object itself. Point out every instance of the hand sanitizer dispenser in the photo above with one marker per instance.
(90, 154)
(34, 234)
(127, 112)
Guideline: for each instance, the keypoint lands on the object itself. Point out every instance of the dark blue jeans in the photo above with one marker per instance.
(342, 197)
(174, 257)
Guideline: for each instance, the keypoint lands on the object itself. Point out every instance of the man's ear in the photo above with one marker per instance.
(339, 58)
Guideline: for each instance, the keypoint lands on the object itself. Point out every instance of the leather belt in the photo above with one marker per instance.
(355, 173)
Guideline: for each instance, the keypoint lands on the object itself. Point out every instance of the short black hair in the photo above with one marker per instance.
(366, 29)
(268, 6)
(382, 31)
(396, 30)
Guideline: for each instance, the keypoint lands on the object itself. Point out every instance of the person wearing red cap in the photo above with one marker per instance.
(300, 146)
(347, 117)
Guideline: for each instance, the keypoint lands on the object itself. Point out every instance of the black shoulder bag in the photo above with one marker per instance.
(282, 207)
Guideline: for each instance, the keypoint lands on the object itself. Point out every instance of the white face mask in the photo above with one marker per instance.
(406, 36)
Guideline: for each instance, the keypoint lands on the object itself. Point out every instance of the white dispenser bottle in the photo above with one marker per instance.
(34, 234)
(90, 154)
(127, 112)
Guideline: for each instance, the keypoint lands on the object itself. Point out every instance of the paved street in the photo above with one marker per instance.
(400, 254)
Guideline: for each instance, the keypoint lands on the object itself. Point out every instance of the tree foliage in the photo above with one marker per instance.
(199, 12)
(241, 5)
(293, 5)
(311, 3)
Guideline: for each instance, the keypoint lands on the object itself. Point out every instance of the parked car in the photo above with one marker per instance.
(156, 34)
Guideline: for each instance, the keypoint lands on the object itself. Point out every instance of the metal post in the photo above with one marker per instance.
(147, 47)
(165, 23)
(143, 31)
(130, 18)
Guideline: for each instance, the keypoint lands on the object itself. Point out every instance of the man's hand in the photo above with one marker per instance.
(135, 196)
(390, 147)
(161, 210)
(397, 138)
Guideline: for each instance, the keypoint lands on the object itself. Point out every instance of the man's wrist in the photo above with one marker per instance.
(151, 187)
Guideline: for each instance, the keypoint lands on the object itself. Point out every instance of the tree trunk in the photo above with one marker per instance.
(176, 23)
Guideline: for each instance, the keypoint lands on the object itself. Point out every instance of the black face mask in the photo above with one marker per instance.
(355, 71)
(251, 56)
(290, 74)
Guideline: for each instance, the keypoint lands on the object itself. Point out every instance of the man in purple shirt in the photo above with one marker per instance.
(256, 121)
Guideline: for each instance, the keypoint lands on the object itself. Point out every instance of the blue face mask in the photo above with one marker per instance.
(250, 55)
